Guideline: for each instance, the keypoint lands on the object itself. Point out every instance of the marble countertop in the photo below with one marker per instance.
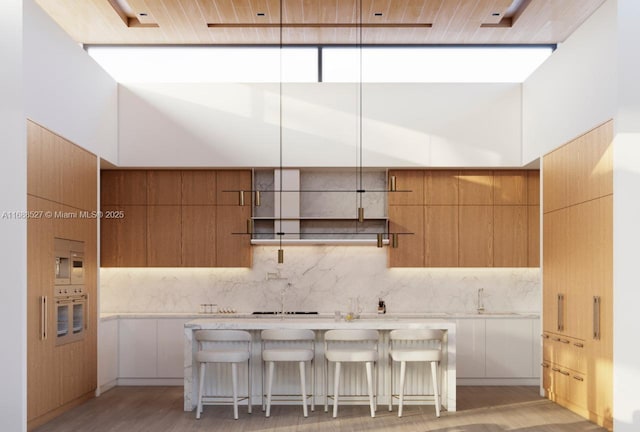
(365, 316)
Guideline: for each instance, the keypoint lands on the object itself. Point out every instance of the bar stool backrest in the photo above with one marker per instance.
(288, 335)
(351, 335)
(416, 335)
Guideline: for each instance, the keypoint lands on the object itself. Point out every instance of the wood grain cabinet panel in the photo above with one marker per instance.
(123, 187)
(232, 250)
(554, 263)
(411, 181)
(476, 236)
(533, 236)
(555, 180)
(510, 187)
(533, 187)
(164, 236)
(441, 236)
(198, 236)
(510, 236)
(123, 241)
(441, 187)
(199, 187)
(410, 250)
(233, 180)
(164, 187)
(476, 187)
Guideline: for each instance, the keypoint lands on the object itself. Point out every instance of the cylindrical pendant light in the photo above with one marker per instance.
(394, 240)
(241, 197)
(360, 214)
(249, 226)
(392, 183)
(256, 198)
(280, 256)
(379, 244)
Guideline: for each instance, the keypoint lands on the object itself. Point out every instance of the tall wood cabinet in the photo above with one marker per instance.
(61, 184)
(174, 218)
(578, 275)
(465, 218)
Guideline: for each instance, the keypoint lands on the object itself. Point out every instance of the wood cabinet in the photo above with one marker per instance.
(410, 250)
(176, 220)
(476, 236)
(472, 218)
(164, 236)
(409, 186)
(510, 236)
(62, 196)
(441, 236)
(578, 275)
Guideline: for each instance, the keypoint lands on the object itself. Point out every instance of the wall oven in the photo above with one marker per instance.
(69, 291)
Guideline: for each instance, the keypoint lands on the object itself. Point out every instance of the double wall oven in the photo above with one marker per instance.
(69, 291)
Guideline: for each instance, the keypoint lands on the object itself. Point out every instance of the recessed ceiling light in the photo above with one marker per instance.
(378, 14)
(260, 14)
(495, 14)
(143, 14)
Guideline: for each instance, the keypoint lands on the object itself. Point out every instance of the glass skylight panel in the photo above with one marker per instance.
(207, 64)
(339, 64)
(431, 64)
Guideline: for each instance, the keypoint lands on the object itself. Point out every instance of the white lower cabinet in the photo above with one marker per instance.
(150, 351)
(498, 351)
(107, 354)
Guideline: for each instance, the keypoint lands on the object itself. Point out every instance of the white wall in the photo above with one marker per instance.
(233, 125)
(625, 226)
(65, 90)
(13, 253)
(575, 89)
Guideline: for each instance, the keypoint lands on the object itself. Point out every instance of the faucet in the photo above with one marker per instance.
(480, 300)
(282, 295)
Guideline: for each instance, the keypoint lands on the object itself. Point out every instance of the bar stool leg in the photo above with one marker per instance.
(200, 390)
(336, 385)
(326, 386)
(234, 378)
(313, 385)
(368, 365)
(249, 390)
(303, 387)
(436, 392)
(390, 384)
(269, 384)
(403, 368)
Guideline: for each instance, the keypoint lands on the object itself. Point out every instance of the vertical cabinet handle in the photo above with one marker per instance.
(86, 311)
(596, 317)
(560, 312)
(43, 318)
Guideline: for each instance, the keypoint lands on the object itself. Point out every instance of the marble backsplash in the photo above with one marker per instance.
(322, 278)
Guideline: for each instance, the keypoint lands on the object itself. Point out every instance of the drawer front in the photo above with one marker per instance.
(564, 351)
(577, 390)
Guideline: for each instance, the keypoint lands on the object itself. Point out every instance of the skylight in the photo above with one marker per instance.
(301, 64)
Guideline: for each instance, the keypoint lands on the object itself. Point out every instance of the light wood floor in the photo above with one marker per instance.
(480, 409)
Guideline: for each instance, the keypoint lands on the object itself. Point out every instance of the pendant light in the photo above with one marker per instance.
(280, 230)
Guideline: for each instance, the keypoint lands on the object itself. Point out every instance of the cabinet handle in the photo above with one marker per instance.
(564, 341)
(557, 339)
(43, 318)
(86, 311)
(544, 365)
(560, 312)
(596, 317)
(565, 373)
(545, 336)
(555, 369)
(579, 345)
(577, 378)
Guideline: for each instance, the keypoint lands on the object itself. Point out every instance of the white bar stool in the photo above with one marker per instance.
(223, 346)
(404, 354)
(271, 354)
(336, 351)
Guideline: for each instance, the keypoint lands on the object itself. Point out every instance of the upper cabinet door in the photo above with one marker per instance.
(411, 181)
(510, 187)
(229, 185)
(123, 187)
(441, 187)
(410, 250)
(475, 233)
(164, 187)
(476, 187)
(533, 187)
(199, 187)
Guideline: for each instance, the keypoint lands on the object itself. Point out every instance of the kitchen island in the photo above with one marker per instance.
(418, 381)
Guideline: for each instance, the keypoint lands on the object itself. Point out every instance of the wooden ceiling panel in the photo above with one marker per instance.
(320, 21)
